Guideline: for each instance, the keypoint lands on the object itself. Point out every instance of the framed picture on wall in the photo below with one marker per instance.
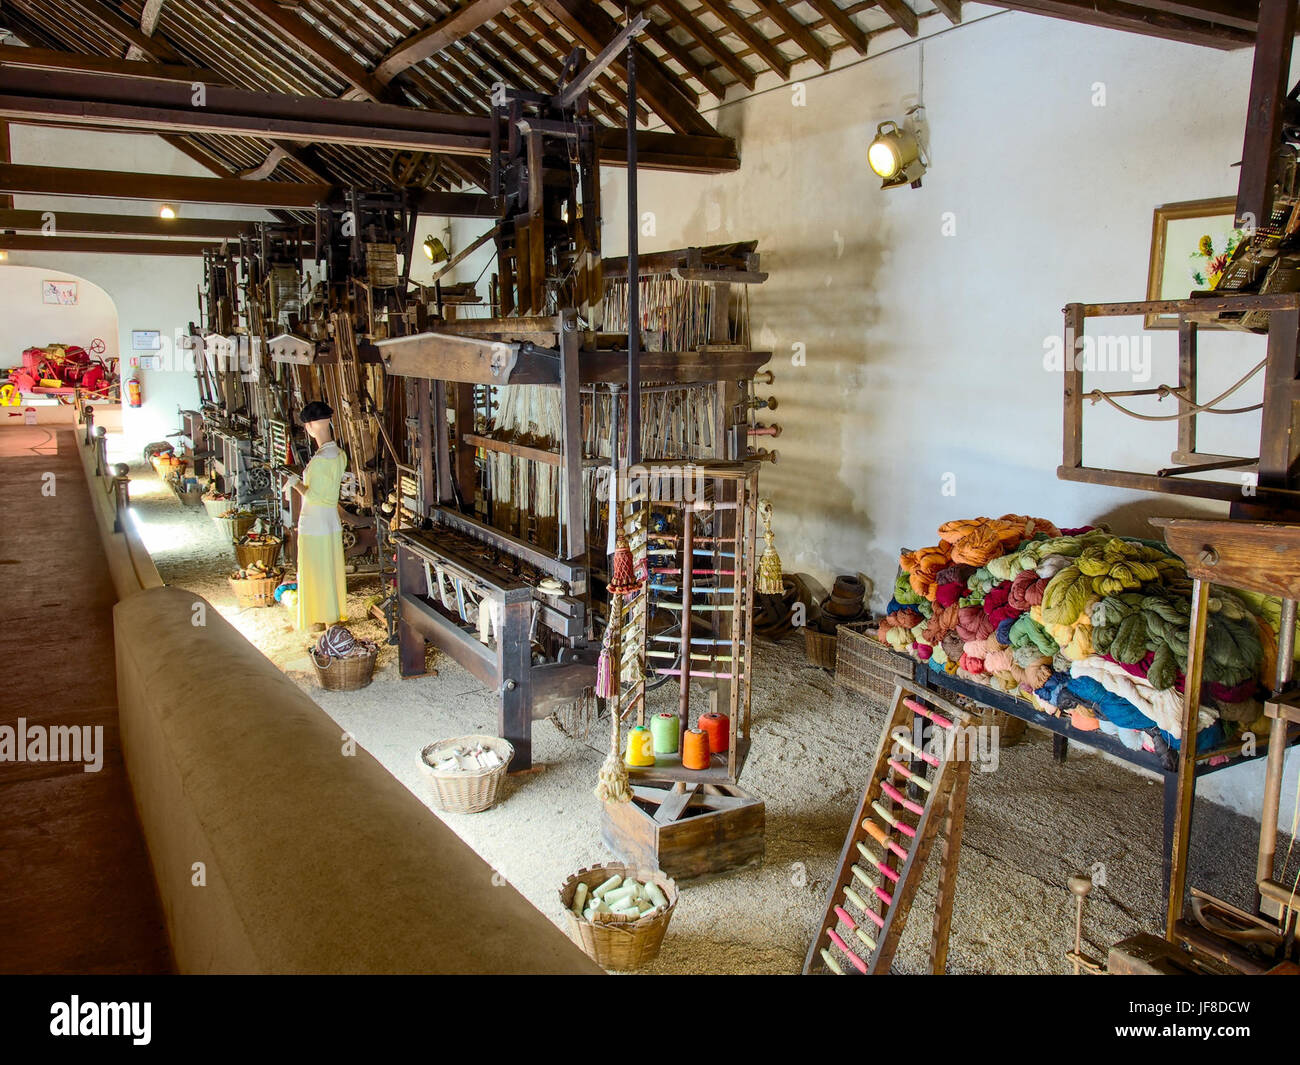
(61, 293)
(1191, 243)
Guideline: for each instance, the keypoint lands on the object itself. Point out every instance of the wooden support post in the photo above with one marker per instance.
(954, 823)
(574, 511)
(466, 471)
(1187, 756)
(1186, 385)
(515, 717)
(442, 432)
(1072, 373)
(424, 459)
(1278, 444)
(410, 644)
(1268, 90)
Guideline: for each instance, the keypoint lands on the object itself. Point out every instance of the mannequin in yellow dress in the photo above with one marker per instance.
(322, 582)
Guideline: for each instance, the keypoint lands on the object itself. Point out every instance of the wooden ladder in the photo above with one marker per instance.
(915, 795)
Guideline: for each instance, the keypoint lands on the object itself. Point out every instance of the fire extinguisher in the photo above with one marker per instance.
(134, 398)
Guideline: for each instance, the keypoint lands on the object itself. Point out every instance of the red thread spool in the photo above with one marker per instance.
(695, 749)
(718, 728)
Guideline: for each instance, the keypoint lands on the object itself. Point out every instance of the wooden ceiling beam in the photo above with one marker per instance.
(311, 40)
(151, 45)
(104, 245)
(682, 53)
(1113, 14)
(442, 34)
(50, 59)
(799, 33)
(745, 31)
(724, 56)
(951, 10)
(128, 225)
(231, 192)
(1239, 14)
(593, 29)
(843, 24)
(904, 17)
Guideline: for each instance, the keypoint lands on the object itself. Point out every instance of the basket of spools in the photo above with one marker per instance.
(618, 914)
(256, 546)
(233, 522)
(467, 772)
(216, 503)
(254, 585)
(843, 605)
(342, 662)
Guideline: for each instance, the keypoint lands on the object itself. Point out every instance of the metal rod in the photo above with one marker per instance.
(633, 268)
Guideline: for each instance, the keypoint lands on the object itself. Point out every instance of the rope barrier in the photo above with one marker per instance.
(1193, 410)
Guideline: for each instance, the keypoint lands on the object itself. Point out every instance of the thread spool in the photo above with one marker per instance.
(718, 728)
(640, 747)
(695, 749)
(665, 730)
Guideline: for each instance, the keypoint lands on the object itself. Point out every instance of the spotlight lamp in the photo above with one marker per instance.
(167, 211)
(895, 156)
(435, 251)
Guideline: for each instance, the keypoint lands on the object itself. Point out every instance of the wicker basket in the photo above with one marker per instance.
(217, 507)
(819, 647)
(616, 942)
(343, 674)
(460, 792)
(234, 528)
(267, 554)
(257, 592)
(863, 664)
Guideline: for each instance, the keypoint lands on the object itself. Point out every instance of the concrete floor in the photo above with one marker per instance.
(1030, 823)
(76, 891)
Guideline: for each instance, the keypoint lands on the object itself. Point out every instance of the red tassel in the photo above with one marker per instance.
(623, 579)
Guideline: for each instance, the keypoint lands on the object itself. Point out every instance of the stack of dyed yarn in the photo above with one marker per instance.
(1083, 624)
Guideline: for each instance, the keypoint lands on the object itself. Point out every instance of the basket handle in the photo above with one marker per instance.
(329, 662)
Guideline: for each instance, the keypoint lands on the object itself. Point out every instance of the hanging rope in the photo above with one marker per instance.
(1203, 408)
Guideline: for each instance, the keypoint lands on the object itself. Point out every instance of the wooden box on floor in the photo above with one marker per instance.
(686, 829)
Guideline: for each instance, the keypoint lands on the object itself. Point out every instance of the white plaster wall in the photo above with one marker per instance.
(27, 321)
(150, 292)
(924, 352)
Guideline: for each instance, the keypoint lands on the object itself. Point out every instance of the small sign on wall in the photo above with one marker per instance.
(147, 362)
(146, 340)
(60, 293)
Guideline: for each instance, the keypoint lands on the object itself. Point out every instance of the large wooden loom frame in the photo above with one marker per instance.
(533, 350)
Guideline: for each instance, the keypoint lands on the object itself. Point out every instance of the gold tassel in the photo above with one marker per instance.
(611, 782)
(770, 581)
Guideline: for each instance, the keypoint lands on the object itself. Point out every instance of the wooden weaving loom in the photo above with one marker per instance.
(915, 795)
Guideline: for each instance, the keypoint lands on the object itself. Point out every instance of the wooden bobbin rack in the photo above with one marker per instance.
(693, 536)
(915, 796)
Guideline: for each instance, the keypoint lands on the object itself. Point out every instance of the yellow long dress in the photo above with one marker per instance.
(322, 583)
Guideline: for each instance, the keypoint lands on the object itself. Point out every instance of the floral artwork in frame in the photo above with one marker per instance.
(1191, 244)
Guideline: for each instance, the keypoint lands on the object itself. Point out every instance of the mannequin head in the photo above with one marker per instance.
(316, 420)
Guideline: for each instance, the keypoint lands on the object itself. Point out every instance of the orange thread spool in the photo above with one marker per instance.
(718, 729)
(695, 749)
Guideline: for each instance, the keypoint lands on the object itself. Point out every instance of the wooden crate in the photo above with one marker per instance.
(864, 664)
(687, 829)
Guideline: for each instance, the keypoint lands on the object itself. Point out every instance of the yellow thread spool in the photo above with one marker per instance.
(640, 747)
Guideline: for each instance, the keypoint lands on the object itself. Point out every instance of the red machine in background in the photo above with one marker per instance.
(61, 370)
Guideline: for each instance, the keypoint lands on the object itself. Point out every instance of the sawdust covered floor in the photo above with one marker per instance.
(1030, 823)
